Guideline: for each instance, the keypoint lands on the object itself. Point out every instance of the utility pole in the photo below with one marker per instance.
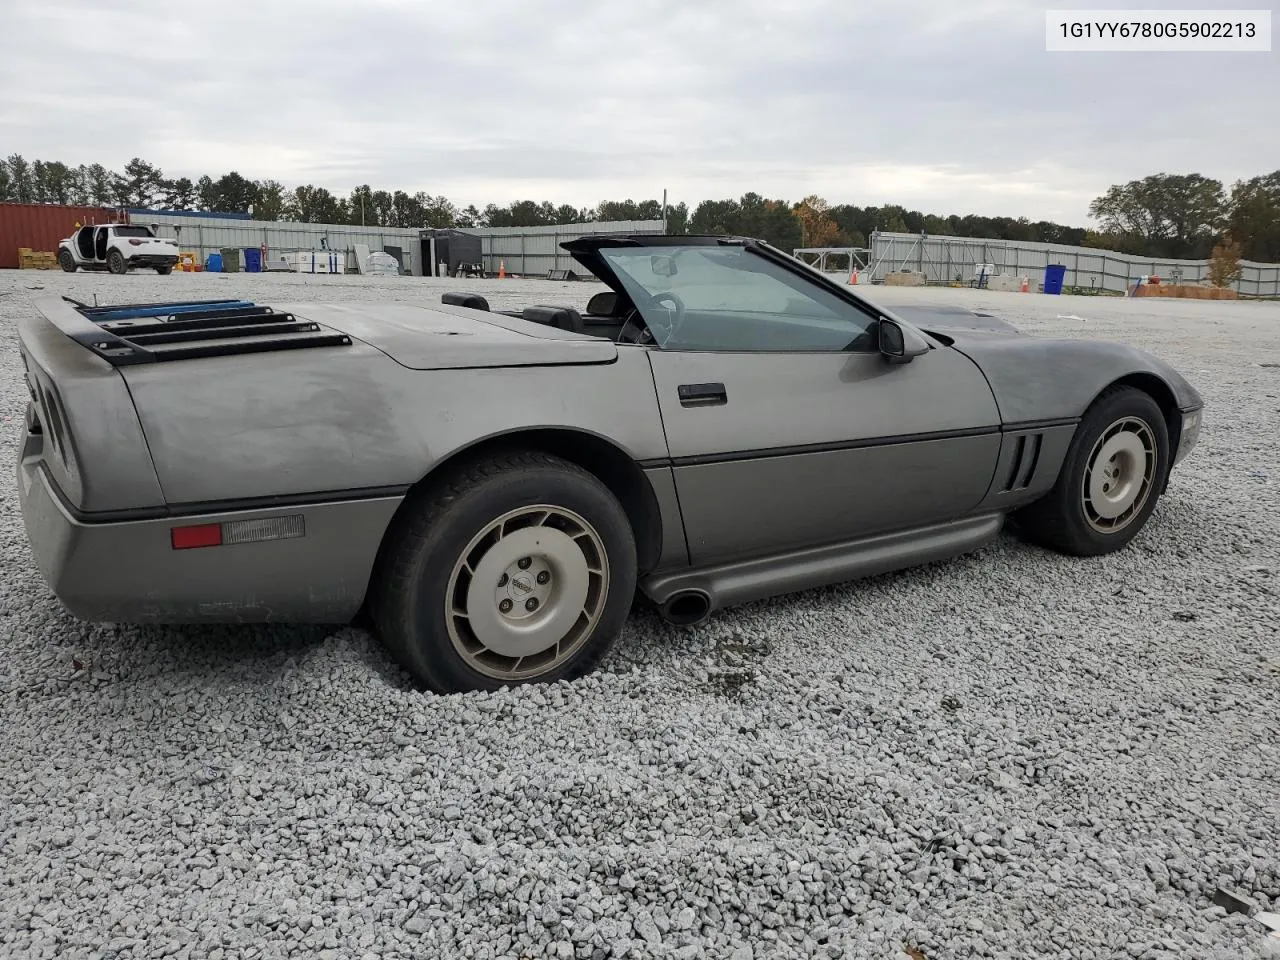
(664, 212)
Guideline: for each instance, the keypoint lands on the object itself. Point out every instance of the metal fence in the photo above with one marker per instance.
(951, 259)
(204, 235)
(531, 251)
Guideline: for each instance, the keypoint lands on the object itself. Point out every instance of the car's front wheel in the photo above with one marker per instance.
(66, 260)
(1110, 481)
(116, 262)
(515, 569)
(165, 270)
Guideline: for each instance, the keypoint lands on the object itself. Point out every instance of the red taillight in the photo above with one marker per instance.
(204, 535)
(135, 243)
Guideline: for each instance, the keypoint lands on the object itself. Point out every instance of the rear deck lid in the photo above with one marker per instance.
(447, 337)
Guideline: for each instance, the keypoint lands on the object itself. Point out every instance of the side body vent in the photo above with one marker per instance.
(1022, 465)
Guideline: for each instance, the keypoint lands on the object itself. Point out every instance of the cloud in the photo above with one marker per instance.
(942, 106)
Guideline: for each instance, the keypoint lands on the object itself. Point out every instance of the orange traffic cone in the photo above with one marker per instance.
(502, 269)
(853, 277)
(1026, 285)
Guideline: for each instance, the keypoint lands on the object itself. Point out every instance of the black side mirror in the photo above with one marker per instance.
(898, 344)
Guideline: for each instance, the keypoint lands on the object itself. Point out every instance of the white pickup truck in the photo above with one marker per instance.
(117, 247)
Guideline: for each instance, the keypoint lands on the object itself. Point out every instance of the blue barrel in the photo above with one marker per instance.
(214, 263)
(252, 260)
(1054, 274)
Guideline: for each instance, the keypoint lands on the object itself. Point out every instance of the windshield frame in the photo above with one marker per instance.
(793, 275)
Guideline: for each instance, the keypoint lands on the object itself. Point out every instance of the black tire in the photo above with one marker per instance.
(430, 536)
(66, 261)
(165, 271)
(116, 262)
(1061, 520)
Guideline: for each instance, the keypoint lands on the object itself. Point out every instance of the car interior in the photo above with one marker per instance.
(607, 315)
(84, 242)
(100, 243)
(614, 316)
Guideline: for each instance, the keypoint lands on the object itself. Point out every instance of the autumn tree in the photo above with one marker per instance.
(1224, 265)
(817, 227)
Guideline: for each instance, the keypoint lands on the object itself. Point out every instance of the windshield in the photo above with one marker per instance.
(133, 232)
(730, 298)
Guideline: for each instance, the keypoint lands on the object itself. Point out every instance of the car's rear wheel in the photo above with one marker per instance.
(1110, 481)
(515, 569)
(66, 260)
(115, 262)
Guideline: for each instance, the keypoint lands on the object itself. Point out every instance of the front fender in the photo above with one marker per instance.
(1037, 380)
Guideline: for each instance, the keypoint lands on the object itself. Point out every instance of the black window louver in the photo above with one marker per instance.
(187, 330)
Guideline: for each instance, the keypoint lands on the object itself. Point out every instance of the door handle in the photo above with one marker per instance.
(702, 394)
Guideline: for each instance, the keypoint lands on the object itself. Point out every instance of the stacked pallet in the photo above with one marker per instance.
(1189, 291)
(29, 259)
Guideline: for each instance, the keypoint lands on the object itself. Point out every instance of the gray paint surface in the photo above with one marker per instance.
(778, 405)
(443, 337)
(749, 508)
(307, 422)
(127, 572)
(99, 426)
(1036, 379)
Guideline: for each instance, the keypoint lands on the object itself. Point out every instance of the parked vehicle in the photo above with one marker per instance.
(117, 247)
(723, 424)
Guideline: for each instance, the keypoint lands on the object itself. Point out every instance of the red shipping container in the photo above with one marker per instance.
(42, 226)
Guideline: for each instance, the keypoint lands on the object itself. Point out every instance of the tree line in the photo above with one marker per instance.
(1183, 216)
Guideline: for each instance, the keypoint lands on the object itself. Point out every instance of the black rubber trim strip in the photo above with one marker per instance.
(802, 449)
(1039, 424)
(658, 462)
(181, 510)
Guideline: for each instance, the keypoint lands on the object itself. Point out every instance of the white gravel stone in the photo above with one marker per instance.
(1011, 754)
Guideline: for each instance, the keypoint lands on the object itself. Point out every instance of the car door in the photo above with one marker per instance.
(83, 243)
(785, 424)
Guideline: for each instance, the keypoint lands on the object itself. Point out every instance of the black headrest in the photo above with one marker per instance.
(472, 300)
(565, 318)
(603, 304)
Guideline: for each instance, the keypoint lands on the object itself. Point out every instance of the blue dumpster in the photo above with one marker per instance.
(214, 263)
(252, 260)
(1054, 274)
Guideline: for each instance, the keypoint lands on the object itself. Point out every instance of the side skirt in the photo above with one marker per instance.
(746, 580)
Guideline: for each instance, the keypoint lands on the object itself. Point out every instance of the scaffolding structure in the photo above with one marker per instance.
(854, 258)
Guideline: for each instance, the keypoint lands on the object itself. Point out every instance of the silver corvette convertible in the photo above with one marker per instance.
(493, 490)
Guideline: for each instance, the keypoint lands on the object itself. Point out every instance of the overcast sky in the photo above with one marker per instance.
(940, 105)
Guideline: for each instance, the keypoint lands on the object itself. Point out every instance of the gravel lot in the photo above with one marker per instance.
(1010, 755)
